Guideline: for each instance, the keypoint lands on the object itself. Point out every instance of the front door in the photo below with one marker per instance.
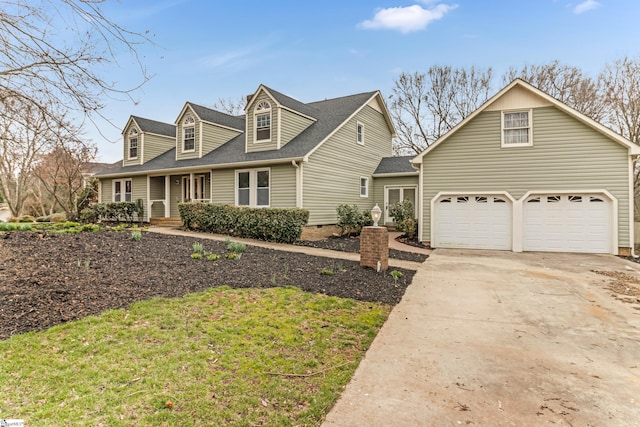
(394, 195)
(198, 188)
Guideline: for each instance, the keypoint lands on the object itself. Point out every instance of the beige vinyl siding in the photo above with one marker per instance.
(180, 137)
(332, 175)
(214, 136)
(394, 181)
(154, 145)
(292, 125)
(107, 191)
(282, 186)
(224, 183)
(139, 191)
(252, 146)
(566, 155)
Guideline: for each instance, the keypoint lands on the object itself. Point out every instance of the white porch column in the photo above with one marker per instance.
(147, 205)
(192, 192)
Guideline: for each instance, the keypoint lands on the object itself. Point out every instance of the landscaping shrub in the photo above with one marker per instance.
(58, 217)
(351, 219)
(46, 218)
(403, 217)
(113, 211)
(270, 224)
(26, 218)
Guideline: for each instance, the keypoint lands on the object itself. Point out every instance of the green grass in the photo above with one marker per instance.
(277, 357)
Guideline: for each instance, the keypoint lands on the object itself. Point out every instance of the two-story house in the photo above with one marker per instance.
(281, 153)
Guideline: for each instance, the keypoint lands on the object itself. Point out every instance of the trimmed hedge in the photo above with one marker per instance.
(270, 224)
(113, 211)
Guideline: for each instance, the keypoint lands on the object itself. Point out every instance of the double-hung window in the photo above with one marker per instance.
(364, 187)
(189, 134)
(516, 129)
(263, 122)
(122, 190)
(253, 188)
(360, 133)
(133, 144)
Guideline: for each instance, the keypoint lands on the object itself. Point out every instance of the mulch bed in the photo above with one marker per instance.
(48, 279)
(352, 244)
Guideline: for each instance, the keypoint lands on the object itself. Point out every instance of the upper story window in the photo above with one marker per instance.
(189, 134)
(360, 133)
(133, 144)
(517, 129)
(263, 122)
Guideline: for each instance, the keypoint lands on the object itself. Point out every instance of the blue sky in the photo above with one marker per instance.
(206, 50)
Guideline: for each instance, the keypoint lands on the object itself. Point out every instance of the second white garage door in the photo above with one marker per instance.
(473, 221)
(567, 223)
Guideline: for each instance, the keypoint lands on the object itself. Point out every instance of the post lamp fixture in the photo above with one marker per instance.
(376, 213)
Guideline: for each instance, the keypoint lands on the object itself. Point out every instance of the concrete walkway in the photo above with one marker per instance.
(410, 265)
(488, 338)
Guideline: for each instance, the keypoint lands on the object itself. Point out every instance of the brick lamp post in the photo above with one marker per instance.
(374, 244)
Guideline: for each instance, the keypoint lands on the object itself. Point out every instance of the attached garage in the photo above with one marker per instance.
(568, 223)
(473, 221)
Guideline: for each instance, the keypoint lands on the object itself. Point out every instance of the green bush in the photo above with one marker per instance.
(8, 226)
(46, 218)
(270, 224)
(351, 219)
(403, 217)
(26, 218)
(113, 211)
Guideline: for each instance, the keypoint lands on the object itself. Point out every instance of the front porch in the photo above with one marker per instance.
(165, 192)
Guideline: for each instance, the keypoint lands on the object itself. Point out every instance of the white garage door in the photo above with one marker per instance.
(567, 223)
(472, 221)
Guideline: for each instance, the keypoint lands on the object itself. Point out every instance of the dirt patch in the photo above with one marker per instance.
(48, 279)
(352, 244)
(626, 287)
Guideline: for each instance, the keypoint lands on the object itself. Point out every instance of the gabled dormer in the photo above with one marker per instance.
(200, 130)
(274, 119)
(145, 139)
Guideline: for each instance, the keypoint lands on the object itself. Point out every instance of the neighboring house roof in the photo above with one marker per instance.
(397, 165)
(330, 114)
(634, 149)
(90, 168)
(153, 126)
(218, 117)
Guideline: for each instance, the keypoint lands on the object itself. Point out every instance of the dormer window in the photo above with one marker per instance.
(263, 122)
(133, 144)
(189, 134)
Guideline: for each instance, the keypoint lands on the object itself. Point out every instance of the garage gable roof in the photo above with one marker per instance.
(634, 149)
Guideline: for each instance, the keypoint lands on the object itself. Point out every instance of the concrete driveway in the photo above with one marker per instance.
(488, 338)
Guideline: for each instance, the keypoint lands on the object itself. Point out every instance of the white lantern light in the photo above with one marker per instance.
(376, 213)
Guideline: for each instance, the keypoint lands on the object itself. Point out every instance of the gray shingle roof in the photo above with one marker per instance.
(214, 116)
(330, 114)
(396, 164)
(153, 126)
(293, 104)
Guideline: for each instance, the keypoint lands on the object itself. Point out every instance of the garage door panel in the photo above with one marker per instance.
(567, 223)
(470, 221)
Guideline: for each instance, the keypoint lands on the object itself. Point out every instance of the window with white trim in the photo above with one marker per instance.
(364, 187)
(516, 129)
(263, 122)
(189, 134)
(122, 190)
(133, 144)
(360, 133)
(253, 188)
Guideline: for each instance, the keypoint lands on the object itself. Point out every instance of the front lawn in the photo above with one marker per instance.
(242, 357)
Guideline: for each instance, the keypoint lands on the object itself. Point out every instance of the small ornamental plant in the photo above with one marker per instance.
(136, 236)
(196, 255)
(327, 272)
(197, 247)
(396, 275)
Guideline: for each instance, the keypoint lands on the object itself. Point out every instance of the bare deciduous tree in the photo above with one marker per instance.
(50, 51)
(229, 106)
(426, 106)
(565, 83)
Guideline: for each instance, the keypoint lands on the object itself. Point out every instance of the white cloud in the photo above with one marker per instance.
(406, 19)
(585, 6)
